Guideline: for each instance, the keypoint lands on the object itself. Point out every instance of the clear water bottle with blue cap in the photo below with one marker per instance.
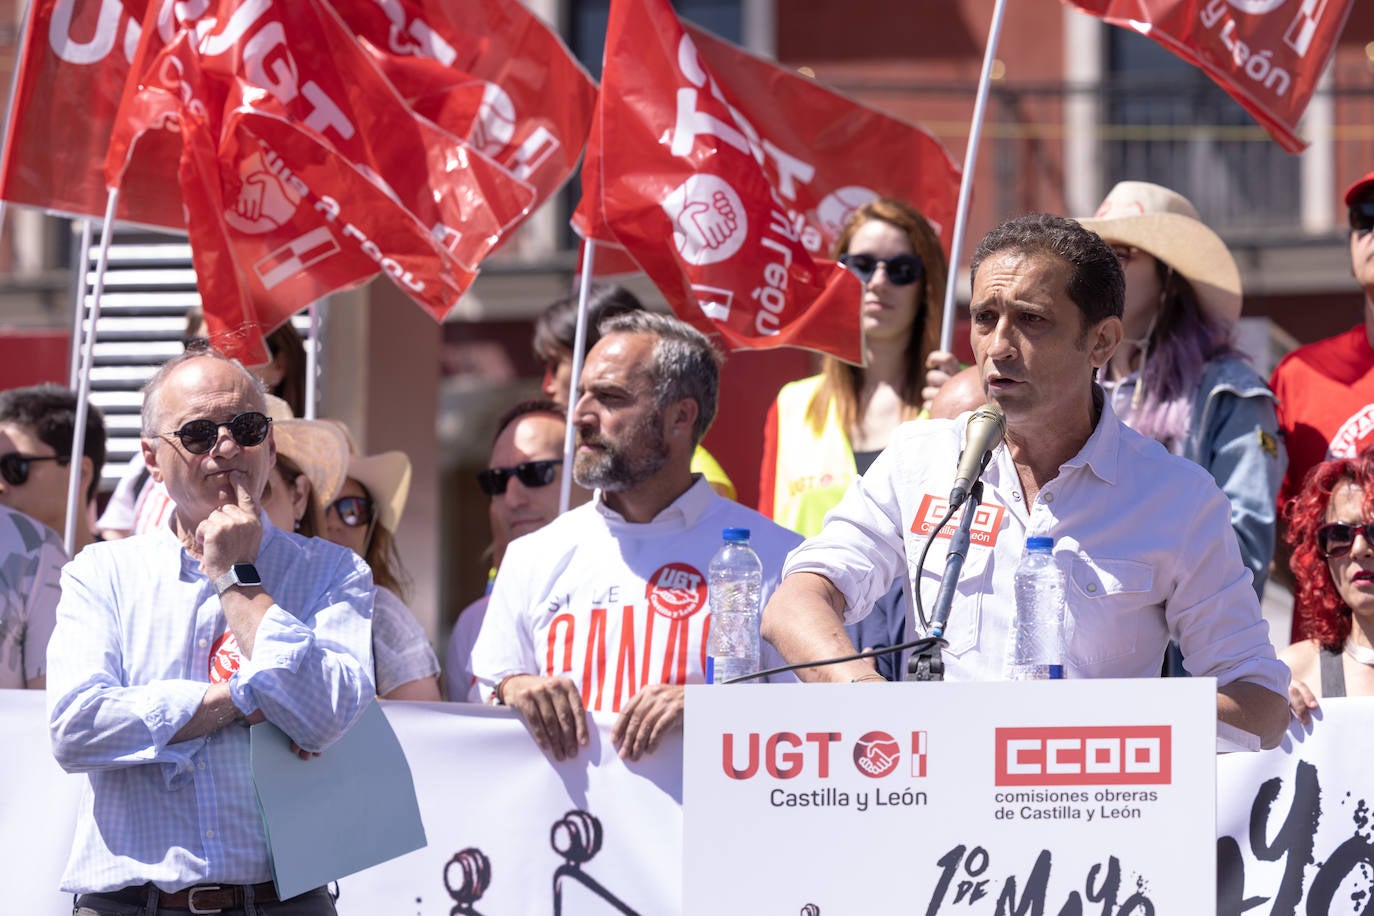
(1036, 649)
(735, 583)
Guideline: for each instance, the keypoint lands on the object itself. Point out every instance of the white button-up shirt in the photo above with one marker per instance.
(130, 660)
(1144, 539)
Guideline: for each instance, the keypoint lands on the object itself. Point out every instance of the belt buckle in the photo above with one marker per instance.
(191, 898)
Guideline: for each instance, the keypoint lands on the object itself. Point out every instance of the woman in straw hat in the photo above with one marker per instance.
(363, 516)
(312, 459)
(1177, 376)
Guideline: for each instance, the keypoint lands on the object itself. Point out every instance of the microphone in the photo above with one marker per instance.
(983, 433)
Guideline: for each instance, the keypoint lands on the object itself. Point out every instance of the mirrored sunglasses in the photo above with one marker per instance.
(493, 481)
(903, 270)
(353, 511)
(14, 467)
(1362, 217)
(199, 436)
(1337, 538)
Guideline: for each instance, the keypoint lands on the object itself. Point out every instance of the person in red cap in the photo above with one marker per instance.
(1326, 389)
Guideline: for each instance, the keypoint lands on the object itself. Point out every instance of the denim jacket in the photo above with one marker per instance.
(1234, 434)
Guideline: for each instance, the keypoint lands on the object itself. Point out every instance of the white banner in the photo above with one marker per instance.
(1294, 825)
(1038, 797)
(1295, 828)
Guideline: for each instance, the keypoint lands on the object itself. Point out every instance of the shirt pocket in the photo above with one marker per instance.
(966, 610)
(1106, 599)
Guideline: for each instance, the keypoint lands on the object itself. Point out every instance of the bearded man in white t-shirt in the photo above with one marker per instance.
(605, 608)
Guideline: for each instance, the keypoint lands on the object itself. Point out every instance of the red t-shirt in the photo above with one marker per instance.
(1326, 403)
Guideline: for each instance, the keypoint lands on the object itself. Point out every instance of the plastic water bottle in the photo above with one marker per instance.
(1037, 645)
(736, 580)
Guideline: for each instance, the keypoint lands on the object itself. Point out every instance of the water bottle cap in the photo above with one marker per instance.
(735, 534)
(1039, 543)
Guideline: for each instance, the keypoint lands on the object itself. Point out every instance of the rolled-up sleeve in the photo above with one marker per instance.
(860, 548)
(312, 677)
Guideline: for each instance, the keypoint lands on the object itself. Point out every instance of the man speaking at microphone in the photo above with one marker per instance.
(1144, 537)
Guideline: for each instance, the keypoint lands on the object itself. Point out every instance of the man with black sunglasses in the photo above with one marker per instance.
(605, 608)
(36, 431)
(522, 480)
(1325, 389)
(169, 643)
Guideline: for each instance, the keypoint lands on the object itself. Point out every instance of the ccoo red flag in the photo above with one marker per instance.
(751, 172)
(1267, 54)
(72, 69)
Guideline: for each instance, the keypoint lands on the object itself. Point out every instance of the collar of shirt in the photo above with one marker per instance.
(683, 512)
(1101, 453)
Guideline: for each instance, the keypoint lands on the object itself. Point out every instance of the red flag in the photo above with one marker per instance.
(72, 70)
(304, 172)
(1267, 54)
(750, 171)
(488, 71)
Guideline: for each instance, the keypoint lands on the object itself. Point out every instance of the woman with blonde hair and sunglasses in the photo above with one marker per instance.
(1331, 532)
(824, 431)
(363, 516)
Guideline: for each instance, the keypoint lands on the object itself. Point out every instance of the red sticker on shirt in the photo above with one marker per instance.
(676, 591)
(224, 658)
(987, 521)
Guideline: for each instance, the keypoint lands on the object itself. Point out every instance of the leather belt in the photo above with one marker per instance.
(214, 898)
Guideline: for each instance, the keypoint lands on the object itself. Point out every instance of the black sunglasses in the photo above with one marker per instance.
(199, 436)
(903, 270)
(1362, 216)
(353, 511)
(493, 481)
(1337, 538)
(14, 467)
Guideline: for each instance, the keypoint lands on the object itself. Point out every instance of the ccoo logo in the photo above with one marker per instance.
(1085, 756)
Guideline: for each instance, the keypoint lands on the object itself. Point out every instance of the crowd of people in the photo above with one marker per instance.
(246, 567)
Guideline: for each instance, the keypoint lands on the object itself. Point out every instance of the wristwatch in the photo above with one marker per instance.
(238, 574)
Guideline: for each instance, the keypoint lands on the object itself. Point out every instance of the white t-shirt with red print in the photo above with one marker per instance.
(615, 605)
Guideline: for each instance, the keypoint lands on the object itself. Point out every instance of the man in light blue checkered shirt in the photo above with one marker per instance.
(168, 644)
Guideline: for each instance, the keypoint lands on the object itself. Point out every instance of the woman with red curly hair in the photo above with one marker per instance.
(1331, 531)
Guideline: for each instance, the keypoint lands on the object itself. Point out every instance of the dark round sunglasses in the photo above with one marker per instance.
(14, 467)
(493, 481)
(199, 436)
(1337, 538)
(353, 511)
(903, 270)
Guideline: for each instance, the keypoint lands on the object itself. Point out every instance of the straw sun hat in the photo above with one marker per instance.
(386, 477)
(318, 447)
(1164, 224)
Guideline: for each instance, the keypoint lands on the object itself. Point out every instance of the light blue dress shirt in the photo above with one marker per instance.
(129, 663)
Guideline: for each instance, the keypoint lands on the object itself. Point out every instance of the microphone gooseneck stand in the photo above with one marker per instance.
(927, 664)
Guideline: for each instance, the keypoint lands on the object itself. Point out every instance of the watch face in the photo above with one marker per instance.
(247, 574)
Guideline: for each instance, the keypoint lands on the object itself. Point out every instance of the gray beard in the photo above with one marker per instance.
(614, 470)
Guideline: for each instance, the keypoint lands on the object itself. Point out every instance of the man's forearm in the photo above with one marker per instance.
(1255, 709)
(804, 620)
(216, 711)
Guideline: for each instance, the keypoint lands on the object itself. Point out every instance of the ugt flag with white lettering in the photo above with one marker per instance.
(72, 69)
(1267, 54)
(488, 71)
(305, 173)
(682, 191)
